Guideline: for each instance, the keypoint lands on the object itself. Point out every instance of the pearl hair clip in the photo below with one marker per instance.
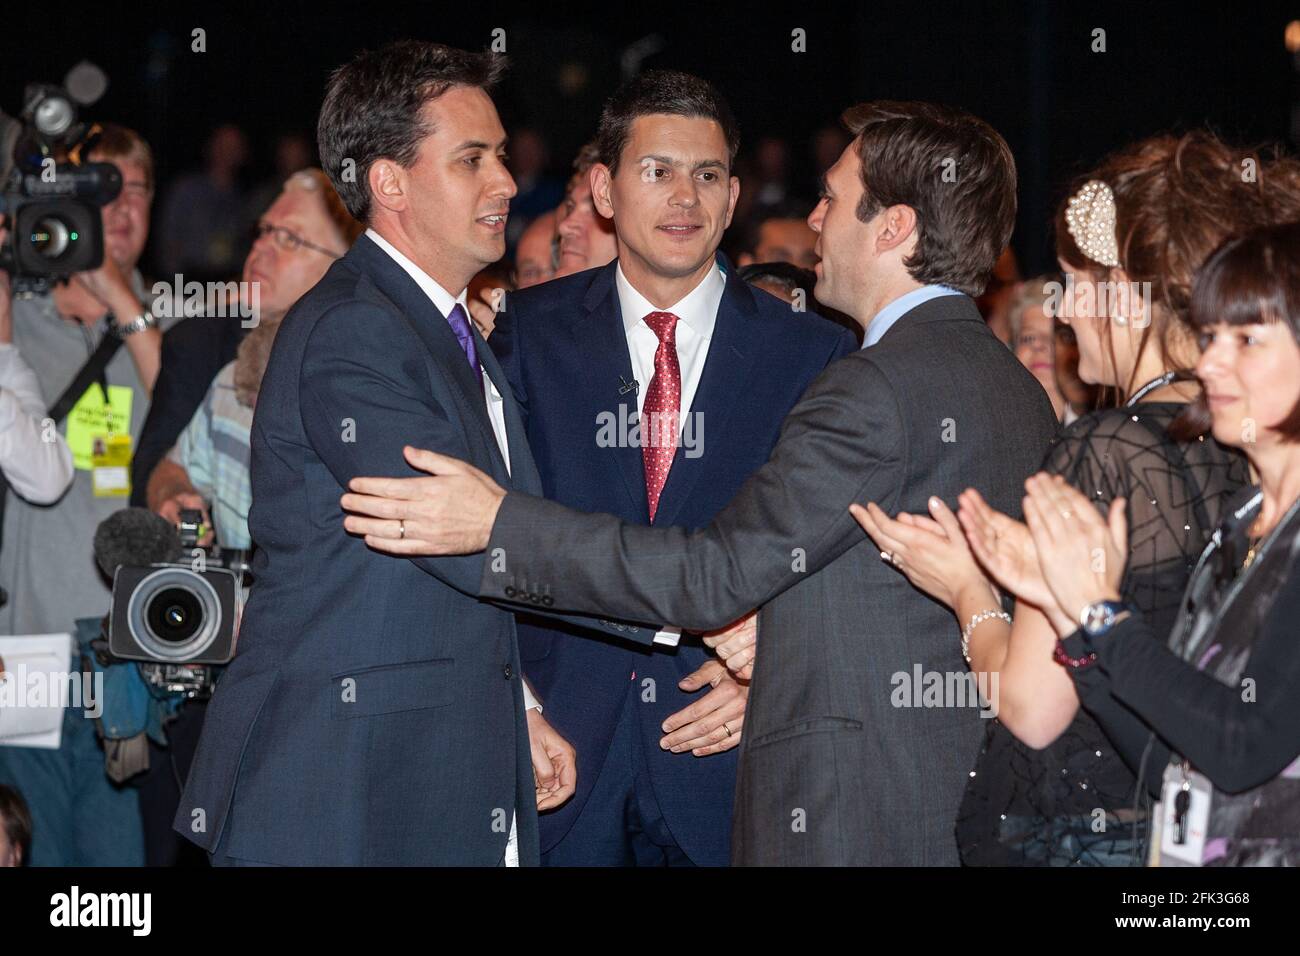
(1090, 218)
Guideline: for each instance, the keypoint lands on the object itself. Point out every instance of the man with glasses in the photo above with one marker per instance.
(293, 243)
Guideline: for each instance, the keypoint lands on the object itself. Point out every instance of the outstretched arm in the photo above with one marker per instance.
(842, 443)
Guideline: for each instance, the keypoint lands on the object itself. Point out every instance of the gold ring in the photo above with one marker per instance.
(401, 528)
(726, 728)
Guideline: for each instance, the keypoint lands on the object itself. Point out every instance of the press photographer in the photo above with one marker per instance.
(82, 321)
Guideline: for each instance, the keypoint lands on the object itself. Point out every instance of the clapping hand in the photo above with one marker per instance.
(931, 551)
(1080, 553)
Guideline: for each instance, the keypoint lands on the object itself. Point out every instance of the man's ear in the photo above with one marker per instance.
(388, 184)
(897, 226)
(602, 181)
(731, 202)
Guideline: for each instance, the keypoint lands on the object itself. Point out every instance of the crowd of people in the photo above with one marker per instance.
(884, 452)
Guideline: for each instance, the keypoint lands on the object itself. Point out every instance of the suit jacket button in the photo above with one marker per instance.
(510, 591)
(508, 672)
(534, 599)
(547, 600)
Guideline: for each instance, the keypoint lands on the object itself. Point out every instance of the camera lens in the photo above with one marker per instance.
(50, 237)
(174, 615)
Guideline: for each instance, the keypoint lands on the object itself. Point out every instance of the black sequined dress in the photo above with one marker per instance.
(1076, 802)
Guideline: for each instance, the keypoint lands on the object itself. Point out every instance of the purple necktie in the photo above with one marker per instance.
(460, 325)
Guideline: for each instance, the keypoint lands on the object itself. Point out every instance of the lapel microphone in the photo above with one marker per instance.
(626, 386)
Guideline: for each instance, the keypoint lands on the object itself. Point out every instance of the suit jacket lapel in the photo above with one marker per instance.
(434, 331)
(605, 363)
(523, 470)
(721, 389)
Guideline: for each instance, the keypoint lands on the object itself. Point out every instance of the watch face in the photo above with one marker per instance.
(1098, 616)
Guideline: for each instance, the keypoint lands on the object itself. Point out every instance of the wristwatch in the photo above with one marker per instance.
(141, 322)
(1096, 619)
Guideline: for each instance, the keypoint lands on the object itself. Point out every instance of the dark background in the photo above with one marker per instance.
(1027, 67)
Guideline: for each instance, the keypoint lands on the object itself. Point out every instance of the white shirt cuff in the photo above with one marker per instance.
(530, 701)
(669, 636)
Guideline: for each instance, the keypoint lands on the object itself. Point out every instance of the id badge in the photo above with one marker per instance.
(1184, 814)
(110, 460)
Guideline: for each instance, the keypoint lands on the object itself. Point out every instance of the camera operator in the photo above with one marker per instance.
(47, 564)
(35, 461)
(299, 237)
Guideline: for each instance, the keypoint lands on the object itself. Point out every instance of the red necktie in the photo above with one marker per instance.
(659, 416)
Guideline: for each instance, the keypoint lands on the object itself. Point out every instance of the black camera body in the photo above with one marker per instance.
(173, 614)
(50, 197)
(177, 615)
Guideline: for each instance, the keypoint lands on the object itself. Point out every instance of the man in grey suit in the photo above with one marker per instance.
(841, 763)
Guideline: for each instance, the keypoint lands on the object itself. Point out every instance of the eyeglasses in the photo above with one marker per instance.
(288, 240)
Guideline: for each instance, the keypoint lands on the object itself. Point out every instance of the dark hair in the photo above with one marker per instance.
(1251, 279)
(658, 92)
(372, 108)
(784, 274)
(1176, 199)
(785, 209)
(119, 142)
(16, 820)
(587, 157)
(954, 170)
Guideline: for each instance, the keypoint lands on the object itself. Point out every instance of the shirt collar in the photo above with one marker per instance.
(884, 319)
(442, 300)
(698, 308)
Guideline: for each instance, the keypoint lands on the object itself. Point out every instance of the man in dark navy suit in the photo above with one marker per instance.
(652, 388)
(375, 712)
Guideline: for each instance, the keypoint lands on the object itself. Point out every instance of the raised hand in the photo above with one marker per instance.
(1081, 554)
(931, 551)
(1004, 548)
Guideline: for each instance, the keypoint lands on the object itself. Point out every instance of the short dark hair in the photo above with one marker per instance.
(954, 170)
(16, 820)
(783, 210)
(784, 274)
(656, 92)
(372, 108)
(1252, 279)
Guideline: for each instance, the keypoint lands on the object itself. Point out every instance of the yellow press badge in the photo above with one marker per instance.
(111, 465)
(99, 437)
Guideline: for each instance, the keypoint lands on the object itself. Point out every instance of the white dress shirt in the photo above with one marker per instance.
(444, 302)
(697, 314)
(40, 471)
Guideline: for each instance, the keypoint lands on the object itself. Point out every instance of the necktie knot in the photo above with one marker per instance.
(664, 325)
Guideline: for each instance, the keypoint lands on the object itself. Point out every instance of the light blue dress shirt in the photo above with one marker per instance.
(904, 304)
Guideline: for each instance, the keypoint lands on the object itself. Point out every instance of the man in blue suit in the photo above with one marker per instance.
(651, 389)
(375, 712)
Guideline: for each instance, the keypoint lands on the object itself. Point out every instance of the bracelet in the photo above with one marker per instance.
(975, 621)
(141, 322)
(1074, 663)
